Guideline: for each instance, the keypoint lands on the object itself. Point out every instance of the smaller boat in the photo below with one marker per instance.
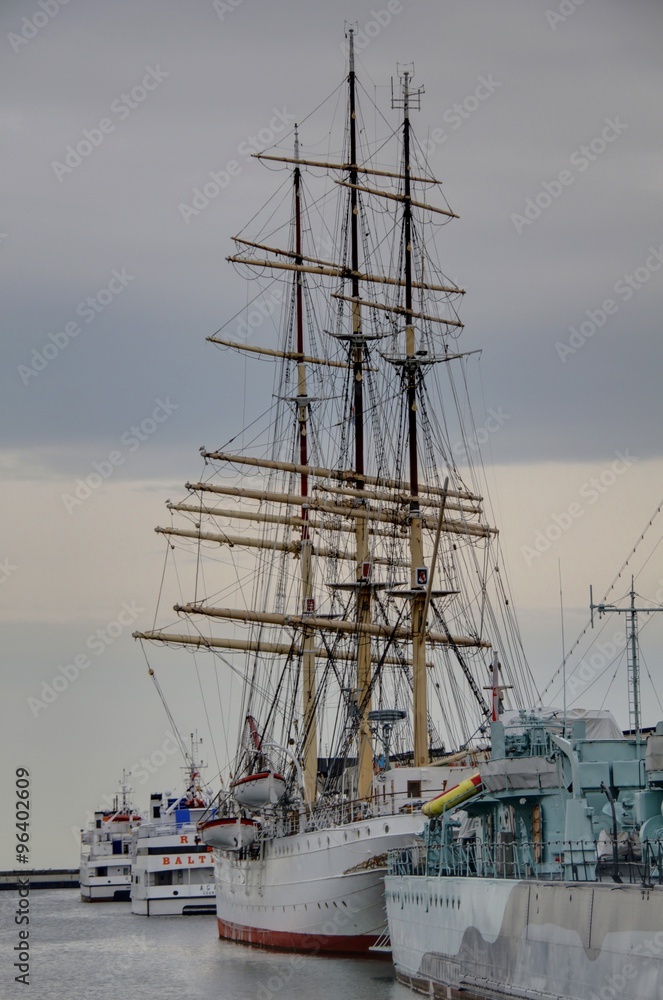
(255, 791)
(105, 872)
(173, 870)
(230, 833)
(263, 785)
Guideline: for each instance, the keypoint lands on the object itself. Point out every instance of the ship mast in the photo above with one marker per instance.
(418, 589)
(364, 677)
(310, 745)
(366, 505)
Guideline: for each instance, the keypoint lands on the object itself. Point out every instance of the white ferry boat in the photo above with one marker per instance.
(173, 871)
(105, 873)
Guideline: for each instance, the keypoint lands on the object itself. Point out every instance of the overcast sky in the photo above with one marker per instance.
(553, 163)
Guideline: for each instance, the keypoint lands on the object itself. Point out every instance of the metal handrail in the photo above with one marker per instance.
(561, 860)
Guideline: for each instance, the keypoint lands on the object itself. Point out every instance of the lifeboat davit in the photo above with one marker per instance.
(255, 791)
(229, 834)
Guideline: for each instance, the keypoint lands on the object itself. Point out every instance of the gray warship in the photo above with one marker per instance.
(544, 879)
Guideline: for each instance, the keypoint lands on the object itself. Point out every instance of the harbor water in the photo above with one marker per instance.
(84, 951)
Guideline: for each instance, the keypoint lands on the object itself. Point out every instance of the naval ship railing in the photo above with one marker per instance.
(559, 860)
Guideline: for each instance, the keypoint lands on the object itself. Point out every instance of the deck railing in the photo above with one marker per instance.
(560, 860)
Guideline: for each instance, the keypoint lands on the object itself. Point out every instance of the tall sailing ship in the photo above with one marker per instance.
(343, 566)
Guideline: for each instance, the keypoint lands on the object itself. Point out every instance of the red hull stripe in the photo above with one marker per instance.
(295, 942)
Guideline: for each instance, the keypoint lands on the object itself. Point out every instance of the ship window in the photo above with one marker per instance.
(414, 789)
(102, 871)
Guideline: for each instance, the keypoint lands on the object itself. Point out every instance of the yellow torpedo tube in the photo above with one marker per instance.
(459, 793)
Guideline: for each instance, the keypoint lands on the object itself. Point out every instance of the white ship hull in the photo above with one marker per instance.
(192, 901)
(303, 895)
(172, 873)
(113, 885)
(499, 938)
(323, 889)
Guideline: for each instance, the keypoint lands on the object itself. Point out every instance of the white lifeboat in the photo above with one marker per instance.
(229, 834)
(255, 791)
